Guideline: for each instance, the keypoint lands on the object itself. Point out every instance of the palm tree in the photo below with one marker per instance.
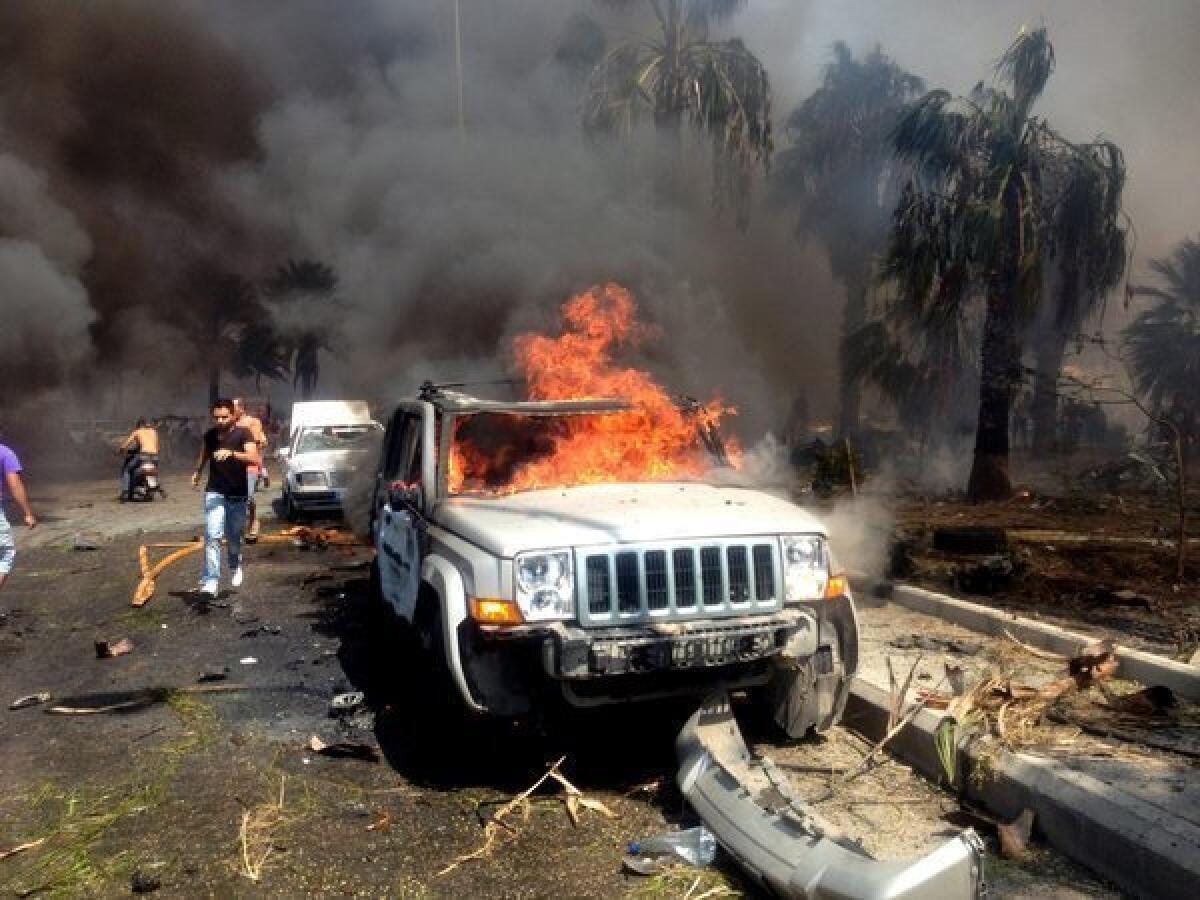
(977, 220)
(234, 331)
(923, 368)
(1163, 342)
(679, 76)
(837, 170)
(298, 281)
(1086, 247)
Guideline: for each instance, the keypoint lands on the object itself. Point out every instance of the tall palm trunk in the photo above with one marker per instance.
(849, 393)
(1049, 351)
(1000, 359)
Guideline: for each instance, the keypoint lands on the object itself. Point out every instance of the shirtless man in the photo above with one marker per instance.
(243, 419)
(141, 445)
(10, 481)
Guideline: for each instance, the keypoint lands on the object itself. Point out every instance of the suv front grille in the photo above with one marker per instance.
(656, 582)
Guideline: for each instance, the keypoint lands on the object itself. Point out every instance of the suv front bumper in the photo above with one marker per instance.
(574, 653)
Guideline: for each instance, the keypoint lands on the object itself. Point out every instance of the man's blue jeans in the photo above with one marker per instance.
(223, 517)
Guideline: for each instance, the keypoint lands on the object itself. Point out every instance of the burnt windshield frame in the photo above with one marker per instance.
(708, 435)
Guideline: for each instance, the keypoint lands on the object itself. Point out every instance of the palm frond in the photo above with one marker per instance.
(1027, 65)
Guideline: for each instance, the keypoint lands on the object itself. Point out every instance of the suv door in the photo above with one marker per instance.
(397, 542)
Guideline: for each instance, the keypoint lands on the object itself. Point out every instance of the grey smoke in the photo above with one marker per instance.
(449, 243)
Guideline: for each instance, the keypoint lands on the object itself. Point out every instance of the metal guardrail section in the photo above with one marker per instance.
(636, 583)
(783, 845)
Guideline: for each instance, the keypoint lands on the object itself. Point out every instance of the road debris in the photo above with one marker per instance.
(82, 544)
(785, 846)
(128, 701)
(383, 824)
(146, 587)
(248, 661)
(935, 644)
(695, 846)
(142, 883)
(1015, 835)
(111, 649)
(346, 703)
(30, 700)
(256, 833)
(344, 749)
(497, 828)
(21, 848)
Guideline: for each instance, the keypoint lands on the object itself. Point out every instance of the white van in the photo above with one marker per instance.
(326, 442)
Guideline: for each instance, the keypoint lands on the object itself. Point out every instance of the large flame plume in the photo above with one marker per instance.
(654, 441)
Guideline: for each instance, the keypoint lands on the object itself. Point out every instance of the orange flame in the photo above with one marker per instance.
(654, 441)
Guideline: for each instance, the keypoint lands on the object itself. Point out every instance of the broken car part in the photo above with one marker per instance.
(783, 844)
(30, 700)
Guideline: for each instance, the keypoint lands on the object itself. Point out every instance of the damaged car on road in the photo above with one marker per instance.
(596, 589)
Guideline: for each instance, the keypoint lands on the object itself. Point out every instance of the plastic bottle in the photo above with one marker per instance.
(695, 846)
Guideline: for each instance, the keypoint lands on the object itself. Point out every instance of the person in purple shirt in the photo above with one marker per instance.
(10, 482)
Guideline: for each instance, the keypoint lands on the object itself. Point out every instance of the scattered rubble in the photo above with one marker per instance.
(344, 749)
(110, 649)
(30, 700)
(935, 644)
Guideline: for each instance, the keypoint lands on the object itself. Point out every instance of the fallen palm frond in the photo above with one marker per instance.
(1012, 711)
(256, 833)
(497, 827)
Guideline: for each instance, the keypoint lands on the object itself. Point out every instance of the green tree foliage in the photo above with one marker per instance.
(837, 171)
(1162, 343)
(678, 76)
(979, 217)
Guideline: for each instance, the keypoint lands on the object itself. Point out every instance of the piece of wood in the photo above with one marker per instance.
(21, 848)
(145, 588)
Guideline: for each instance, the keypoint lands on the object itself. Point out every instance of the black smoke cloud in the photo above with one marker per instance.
(149, 136)
(115, 118)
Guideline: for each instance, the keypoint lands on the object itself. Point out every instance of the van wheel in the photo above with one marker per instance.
(290, 512)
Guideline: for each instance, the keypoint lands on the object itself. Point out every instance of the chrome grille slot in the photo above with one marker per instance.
(628, 583)
(661, 581)
(599, 585)
(657, 596)
(739, 574)
(710, 575)
(764, 574)
(683, 559)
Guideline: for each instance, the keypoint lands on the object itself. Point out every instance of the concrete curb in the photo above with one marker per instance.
(1145, 850)
(1136, 665)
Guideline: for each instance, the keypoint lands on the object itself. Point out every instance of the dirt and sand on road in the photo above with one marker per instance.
(199, 792)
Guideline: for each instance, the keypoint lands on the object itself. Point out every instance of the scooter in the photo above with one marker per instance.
(144, 482)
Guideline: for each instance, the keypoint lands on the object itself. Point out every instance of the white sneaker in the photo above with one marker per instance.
(209, 587)
(236, 579)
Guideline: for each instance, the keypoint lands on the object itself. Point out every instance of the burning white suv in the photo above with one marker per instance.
(605, 592)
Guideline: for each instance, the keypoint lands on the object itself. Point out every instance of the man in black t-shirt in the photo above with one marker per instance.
(228, 450)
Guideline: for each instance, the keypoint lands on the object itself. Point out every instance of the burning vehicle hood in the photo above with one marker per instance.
(618, 513)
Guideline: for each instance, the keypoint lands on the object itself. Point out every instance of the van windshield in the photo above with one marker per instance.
(335, 437)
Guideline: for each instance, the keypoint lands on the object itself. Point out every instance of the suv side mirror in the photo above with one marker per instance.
(403, 495)
(283, 452)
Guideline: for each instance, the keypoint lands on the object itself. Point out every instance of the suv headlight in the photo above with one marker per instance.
(311, 479)
(545, 584)
(805, 567)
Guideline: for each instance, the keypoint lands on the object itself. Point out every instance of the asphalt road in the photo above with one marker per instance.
(207, 792)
